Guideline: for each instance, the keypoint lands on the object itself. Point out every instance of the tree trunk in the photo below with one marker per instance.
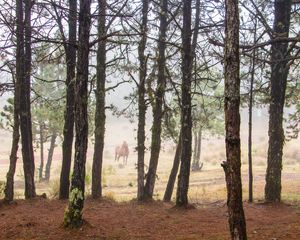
(9, 188)
(173, 174)
(158, 107)
(196, 166)
(50, 156)
(250, 118)
(186, 117)
(25, 112)
(70, 50)
(279, 74)
(141, 101)
(195, 147)
(199, 145)
(232, 167)
(41, 151)
(100, 104)
(73, 215)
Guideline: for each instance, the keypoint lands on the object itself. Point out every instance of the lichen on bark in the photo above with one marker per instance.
(73, 214)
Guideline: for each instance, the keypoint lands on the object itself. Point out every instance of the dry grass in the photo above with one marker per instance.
(208, 185)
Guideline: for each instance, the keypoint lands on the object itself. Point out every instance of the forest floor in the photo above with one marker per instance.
(105, 219)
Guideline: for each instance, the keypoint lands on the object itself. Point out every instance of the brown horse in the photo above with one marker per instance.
(122, 151)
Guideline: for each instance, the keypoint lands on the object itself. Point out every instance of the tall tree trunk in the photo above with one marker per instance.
(100, 104)
(25, 112)
(41, 151)
(50, 156)
(158, 107)
(9, 188)
(73, 215)
(141, 101)
(250, 116)
(173, 174)
(70, 50)
(232, 167)
(279, 74)
(186, 117)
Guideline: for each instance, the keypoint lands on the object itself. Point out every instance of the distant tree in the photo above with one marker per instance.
(73, 214)
(42, 140)
(279, 75)
(50, 155)
(232, 167)
(48, 97)
(207, 120)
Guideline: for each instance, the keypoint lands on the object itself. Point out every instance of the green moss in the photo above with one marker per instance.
(73, 213)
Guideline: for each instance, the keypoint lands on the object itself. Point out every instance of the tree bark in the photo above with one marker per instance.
(279, 74)
(232, 167)
(141, 101)
(197, 147)
(73, 215)
(50, 156)
(100, 104)
(186, 117)
(9, 187)
(158, 107)
(25, 112)
(41, 151)
(250, 117)
(173, 174)
(68, 132)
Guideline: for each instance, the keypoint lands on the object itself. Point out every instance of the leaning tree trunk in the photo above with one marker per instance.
(173, 174)
(232, 167)
(50, 156)
(158, 107)
(73, 214)
(25, 112)
(9, 188)
(186, 105)
(68, 134)
(100, 104)
(141, 101)
(41, 151)
(279, 74)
